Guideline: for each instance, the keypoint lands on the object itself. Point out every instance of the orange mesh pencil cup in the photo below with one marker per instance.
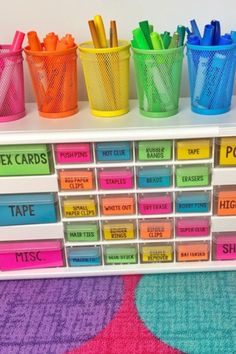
(54, 78)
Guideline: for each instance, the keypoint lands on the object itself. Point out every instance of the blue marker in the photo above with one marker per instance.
(207, 38)
(225, 39)
(188, 31)
(193, 39)
(195, 29)
(233, 36)
(216, 36)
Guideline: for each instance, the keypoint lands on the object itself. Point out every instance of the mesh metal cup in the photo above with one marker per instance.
(158, 77)
(211, 77)
(54, 78)
(12, 100)
(106, 72)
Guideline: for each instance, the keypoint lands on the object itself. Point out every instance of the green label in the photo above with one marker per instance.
(82, 232)
(121, 255)
(192, 176)
(19, 160)
(154, 150)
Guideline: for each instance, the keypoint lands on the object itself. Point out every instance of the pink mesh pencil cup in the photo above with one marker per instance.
(12, 101)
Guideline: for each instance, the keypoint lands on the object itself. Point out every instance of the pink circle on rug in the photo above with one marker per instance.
(126, 333)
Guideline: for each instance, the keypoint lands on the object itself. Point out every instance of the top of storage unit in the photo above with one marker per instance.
(131, 126)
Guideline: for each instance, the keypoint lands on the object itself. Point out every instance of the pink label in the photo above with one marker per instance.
(192, 227)
(73, 153)
(28, 255)
(116, 179)
(155, 205)
(225, 247)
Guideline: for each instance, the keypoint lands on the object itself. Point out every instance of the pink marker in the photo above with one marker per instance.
(225, 247)
(192, 227)
(155, 205)
(116, 179)
(31, 254)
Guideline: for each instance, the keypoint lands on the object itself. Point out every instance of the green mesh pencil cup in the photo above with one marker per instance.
(158, 78)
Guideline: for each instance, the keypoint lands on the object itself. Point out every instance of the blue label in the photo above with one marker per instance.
(86, 256)
(192, 204)
(117, 151)
(154, 178)
(27, 209)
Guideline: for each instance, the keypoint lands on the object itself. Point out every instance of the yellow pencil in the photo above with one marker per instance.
(100, 31)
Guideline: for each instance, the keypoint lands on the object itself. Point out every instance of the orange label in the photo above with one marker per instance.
(187, 252)
(76, 180)
(117, 206)
(155, 230)
(226, 204)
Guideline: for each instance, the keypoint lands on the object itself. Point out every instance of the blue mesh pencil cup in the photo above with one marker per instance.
(211, 72)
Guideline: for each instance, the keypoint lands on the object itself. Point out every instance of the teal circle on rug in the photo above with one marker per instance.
(193, 312)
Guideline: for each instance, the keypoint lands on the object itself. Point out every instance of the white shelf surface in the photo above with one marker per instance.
(224, 176)
(32, 232)
(119, 270)
(223, 223)
(28, 184)
(131, 126)
(125, 164)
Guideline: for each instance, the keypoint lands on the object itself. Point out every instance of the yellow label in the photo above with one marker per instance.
(159, 253)
(227, 151)
(118, 231)
(79, 208)
(193, 149)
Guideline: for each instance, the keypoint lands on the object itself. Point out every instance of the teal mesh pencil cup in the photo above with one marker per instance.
(158, 78)
(211, 72)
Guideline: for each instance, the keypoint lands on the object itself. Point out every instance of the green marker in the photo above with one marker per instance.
(133, 43)
(174, 41)
(181, 31)
(144, 25)
(157, 42)
(151, 28)
(166, 38)
(140, 39)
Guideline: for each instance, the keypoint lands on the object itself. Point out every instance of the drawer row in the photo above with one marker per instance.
(144, 229)
(223, 248)
(124, 178)
(36, 159)
(50, 253)
(43, 207)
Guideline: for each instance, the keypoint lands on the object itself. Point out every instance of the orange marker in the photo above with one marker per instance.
(94, 34)
(113, 34)
(66, 42)
(50, 41)
(34, 42)
(70, 40)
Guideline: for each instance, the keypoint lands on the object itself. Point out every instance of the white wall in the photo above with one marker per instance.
(63, 16)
